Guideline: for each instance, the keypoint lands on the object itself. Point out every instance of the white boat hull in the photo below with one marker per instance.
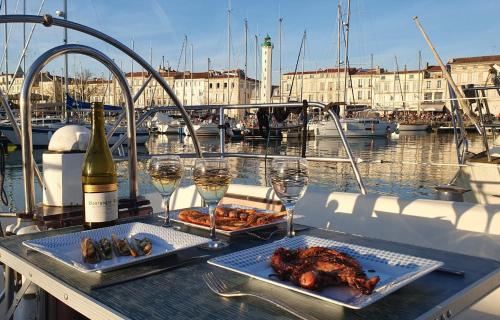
(353, 128)
(413, 127)
(204, 130)
(41, 135)
(168, 129)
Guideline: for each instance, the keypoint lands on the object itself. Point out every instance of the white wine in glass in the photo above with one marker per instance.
(212, 179)
(166, 175)
(289, 178)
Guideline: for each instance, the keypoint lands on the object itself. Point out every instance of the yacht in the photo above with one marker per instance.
(204, 129)
(354, 127)
(164, 123)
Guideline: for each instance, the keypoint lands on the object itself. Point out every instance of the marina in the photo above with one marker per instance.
(179, 190)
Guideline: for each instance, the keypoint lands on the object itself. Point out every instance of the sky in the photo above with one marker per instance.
(383, 28)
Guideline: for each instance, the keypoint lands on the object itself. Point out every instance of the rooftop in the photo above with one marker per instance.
(494, 58)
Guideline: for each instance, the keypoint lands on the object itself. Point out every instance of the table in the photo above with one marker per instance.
(181, 293)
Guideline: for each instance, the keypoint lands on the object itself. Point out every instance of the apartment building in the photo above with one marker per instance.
(478, 71)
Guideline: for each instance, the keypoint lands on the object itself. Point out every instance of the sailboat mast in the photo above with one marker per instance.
(192, 62)
(280, 34)
(65, 40)
(208, 80)
(419, 80)
(346, 55)
(6, 43)
(303, 59)
(246, 60)
(184, 72)
(339, 20)
(256, 71)
(371, 80)
(228, 52)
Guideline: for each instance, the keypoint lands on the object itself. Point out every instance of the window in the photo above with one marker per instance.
(410, 76)
(232, 85)
(369, 94)
(438, 84)
(382, 77)
(370, 82)
(211, 85)
(360, 95)
(427, 84)
(360, 83)
(438, 96)
(427, 96)
(218, 85)
(396, 77)
(225, 85)
(350, 83)
(475, 77)
(463, 77)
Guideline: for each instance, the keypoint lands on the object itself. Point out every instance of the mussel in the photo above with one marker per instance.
(106, 248)
(145, 245)
(90, 252)
(121, 246)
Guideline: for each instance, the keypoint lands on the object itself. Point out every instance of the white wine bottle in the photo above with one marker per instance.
(99, 184)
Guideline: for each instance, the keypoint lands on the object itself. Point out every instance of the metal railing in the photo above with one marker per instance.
(25, 109)
(221, 108)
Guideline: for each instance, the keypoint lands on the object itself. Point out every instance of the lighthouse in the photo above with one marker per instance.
(266, 76)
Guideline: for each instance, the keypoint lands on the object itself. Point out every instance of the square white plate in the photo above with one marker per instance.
(394, 269)
(66, 248)
(174, 216)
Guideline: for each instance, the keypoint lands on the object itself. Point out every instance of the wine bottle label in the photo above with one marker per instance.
(100, 206)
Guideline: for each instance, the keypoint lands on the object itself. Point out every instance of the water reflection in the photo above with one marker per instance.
(391, 166)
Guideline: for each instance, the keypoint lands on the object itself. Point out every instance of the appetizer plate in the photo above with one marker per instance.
(394, 269)
(174, 216)
(66, 248)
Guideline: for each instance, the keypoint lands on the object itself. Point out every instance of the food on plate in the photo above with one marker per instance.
(230, 219)
(106, 248)
(90, 253)
(144, 245)
(121, 246)
(316, 268)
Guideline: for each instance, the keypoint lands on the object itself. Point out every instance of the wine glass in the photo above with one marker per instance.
(212, 178)
(166, 174)
(289, 178)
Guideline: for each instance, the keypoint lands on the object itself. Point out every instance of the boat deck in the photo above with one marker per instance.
(181, 293)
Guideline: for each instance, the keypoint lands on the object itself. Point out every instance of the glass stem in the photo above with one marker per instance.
(211, 213)
(166, 206)
(289, 221)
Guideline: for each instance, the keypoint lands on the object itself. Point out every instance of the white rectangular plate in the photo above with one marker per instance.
(394, 269)
(66, 248)
(174, 216)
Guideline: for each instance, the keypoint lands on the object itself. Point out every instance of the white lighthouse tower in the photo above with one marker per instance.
(266, 77)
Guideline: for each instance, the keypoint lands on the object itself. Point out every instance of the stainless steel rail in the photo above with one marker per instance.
(25, 106)
(48, 21)
(350, 158)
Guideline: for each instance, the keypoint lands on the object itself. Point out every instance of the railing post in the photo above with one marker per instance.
(222, 131)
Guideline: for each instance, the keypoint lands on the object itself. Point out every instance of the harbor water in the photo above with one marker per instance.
(408, 165)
